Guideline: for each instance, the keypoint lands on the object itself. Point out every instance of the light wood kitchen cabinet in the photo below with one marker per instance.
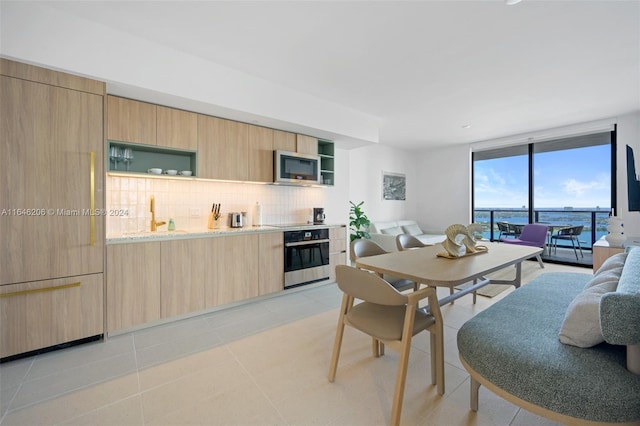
(307, 144)
(52, 245)
(337, 249)
(223, 148)
(284, 141)
(52, 140)
(46, 313)
(231, 269)
(133, 284)
(131, 121)
(260, 154)
(176, 128)
(271, 263)
(182, 276)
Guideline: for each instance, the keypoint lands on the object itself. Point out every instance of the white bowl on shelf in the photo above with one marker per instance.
(171, 172)
(185, 172)
(155, 171)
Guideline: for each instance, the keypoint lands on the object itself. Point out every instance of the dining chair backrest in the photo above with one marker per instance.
(534, 233)
(368, 286)
(572, 230)
(407, 241)
(363, 247)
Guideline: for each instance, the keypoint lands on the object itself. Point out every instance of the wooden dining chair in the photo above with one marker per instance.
(407, 242)
(363, 247)
(391, 318)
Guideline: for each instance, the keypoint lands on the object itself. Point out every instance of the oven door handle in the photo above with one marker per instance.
(306, 243)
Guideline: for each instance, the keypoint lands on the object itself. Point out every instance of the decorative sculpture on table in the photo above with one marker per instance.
(458, 248)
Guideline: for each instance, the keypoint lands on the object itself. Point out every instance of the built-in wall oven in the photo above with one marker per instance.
(306, 256)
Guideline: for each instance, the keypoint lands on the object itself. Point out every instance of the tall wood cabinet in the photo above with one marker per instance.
(52, 177)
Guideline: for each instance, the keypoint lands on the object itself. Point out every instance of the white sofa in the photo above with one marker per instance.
(384, 233)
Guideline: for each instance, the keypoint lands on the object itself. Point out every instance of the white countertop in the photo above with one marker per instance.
(180, 234)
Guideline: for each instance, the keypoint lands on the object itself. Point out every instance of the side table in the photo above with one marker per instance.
(602, 251)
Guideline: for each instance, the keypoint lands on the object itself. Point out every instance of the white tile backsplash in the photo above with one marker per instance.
(189, 202)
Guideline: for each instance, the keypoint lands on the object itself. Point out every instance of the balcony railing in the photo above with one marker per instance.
(594, 221)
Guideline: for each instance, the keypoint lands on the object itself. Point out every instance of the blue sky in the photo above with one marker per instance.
(577, 178)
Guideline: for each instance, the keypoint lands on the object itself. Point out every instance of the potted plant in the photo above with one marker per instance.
(358, 222)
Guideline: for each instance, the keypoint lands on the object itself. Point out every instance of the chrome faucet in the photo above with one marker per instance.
(154, 224)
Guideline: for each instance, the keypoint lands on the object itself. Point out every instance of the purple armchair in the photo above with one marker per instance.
(532, 235)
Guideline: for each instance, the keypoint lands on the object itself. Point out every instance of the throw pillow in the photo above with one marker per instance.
(615, 261)
(602, 277)
(392, 231)
(581, 325)
(412, 229)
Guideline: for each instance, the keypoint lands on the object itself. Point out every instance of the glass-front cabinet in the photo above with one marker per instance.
(148, 159)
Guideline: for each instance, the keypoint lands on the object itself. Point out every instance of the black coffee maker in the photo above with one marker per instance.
(318, 215)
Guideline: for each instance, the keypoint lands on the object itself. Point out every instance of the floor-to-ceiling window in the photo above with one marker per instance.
(568, 184)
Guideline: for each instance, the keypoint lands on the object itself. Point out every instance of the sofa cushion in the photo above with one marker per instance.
(376, 227)
(396, 230)
(581, 324)
(604, 276)
(614, 262)
(412, 229)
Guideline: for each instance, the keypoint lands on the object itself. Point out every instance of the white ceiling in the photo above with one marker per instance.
(425, 68)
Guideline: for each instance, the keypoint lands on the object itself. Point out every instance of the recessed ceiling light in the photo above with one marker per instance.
(512, 2)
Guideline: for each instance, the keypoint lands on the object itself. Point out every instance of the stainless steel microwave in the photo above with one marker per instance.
(294, 168)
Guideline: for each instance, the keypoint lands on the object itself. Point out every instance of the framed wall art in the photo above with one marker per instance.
(394, 186)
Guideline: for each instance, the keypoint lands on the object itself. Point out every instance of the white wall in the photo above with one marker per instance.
(366, 165)
(628, 132)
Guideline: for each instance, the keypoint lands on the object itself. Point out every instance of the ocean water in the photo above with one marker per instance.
(592, 219)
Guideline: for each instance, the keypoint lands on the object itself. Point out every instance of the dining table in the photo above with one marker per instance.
(430, 266)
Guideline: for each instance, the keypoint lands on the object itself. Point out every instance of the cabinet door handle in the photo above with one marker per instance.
(92, 217)
(40, 290)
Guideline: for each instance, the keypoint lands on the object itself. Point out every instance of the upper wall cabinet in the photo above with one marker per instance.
(176, 128)
(131, 121)
(307, 144)
(260, 154)
(223, 147)
(284, 141)
(150, 124)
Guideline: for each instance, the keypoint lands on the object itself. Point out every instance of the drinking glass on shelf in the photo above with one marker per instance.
(115, 154)
(127, 156)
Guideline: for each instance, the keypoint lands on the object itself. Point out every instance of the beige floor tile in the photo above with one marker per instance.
(455, 410)
(245, 405)
(72, 379)
(525, 418)
(170, 371)
(127, 412)
(191, 390)
(74, 404)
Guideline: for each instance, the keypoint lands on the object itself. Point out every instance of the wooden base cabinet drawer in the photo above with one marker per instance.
(40, 314)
